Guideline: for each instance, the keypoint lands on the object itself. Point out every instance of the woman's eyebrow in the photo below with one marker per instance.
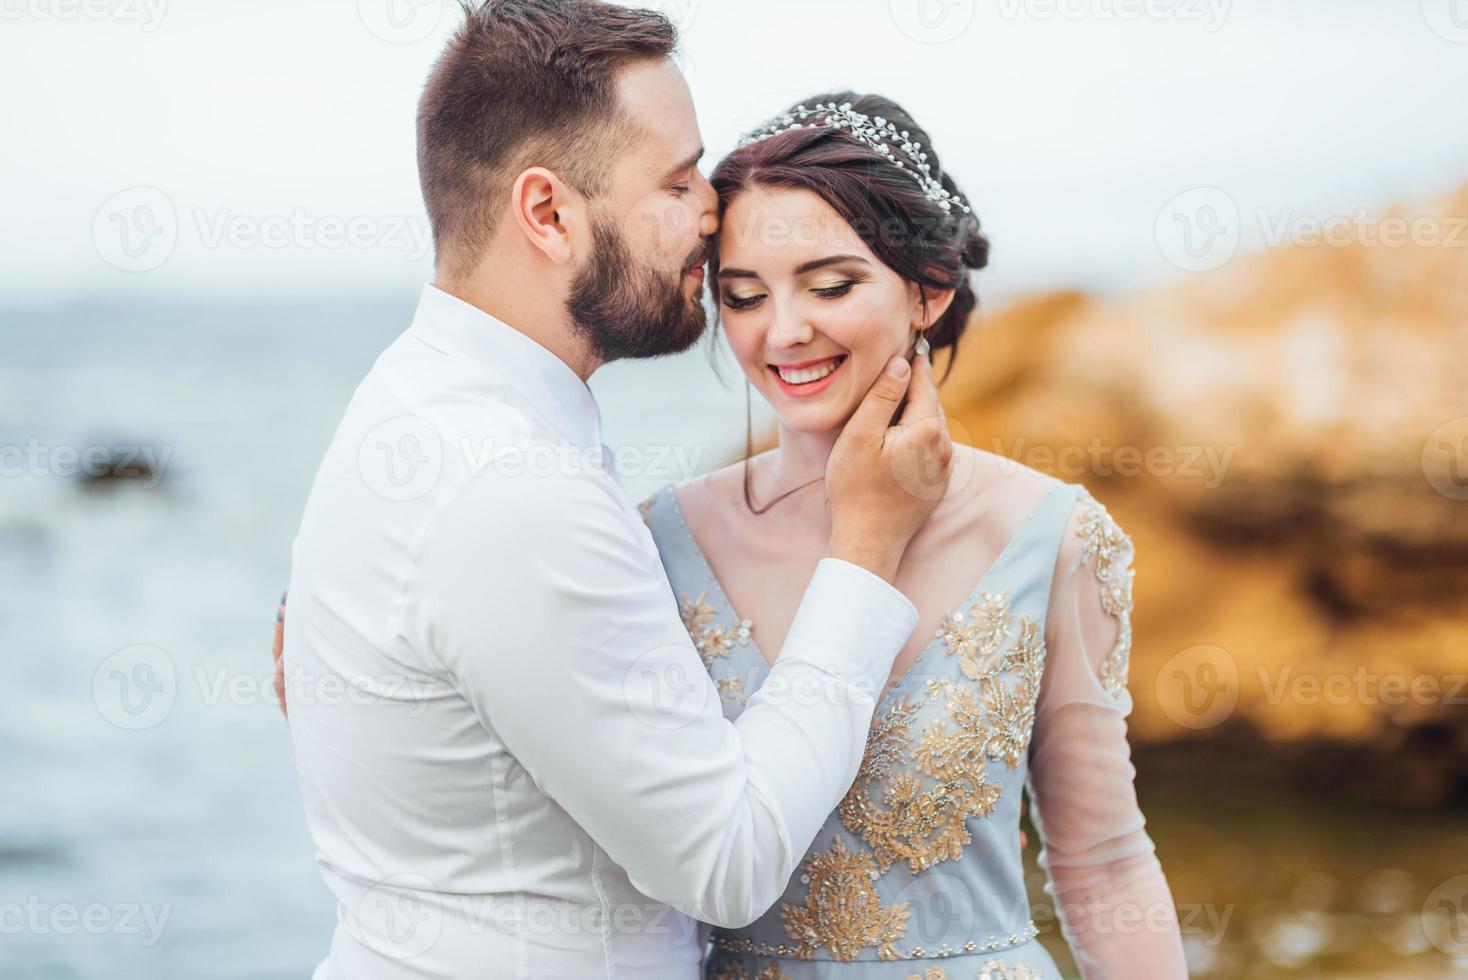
(814, 264)
(800, 270)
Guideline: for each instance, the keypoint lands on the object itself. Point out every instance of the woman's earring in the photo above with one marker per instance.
(921, 348)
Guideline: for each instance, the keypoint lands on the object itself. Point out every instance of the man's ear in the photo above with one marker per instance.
(937, 303)
(547, 213)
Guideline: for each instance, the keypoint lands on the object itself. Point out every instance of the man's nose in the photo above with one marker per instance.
(708, 219)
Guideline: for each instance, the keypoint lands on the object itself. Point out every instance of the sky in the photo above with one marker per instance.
(225, 148)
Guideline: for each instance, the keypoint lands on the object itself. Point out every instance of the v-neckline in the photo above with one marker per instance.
(968, 601)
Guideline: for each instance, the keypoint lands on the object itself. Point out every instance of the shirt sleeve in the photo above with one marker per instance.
(546, 602)
(1111, 897)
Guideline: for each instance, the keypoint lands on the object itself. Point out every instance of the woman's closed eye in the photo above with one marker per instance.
(835, 290)
(748, 302)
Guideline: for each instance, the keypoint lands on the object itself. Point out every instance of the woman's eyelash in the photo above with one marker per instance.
(741, 302)
(825, 292)
(834, 292)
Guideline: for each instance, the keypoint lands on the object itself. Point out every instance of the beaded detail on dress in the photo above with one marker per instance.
(1109, 552)
(919, 861)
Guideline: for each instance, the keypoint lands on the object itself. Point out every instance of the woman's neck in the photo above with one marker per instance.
(802, 456)
(798, 461)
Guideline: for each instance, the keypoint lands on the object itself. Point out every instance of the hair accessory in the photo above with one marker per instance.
(876, 132)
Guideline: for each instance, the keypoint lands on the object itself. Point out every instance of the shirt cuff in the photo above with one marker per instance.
(851, 623)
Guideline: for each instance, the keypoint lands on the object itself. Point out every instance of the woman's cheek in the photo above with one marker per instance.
(868, 330)
(746, 348)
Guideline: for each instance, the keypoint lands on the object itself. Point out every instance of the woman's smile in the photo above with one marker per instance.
(806, 378)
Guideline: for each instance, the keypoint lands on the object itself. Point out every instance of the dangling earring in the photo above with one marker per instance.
(921, 348)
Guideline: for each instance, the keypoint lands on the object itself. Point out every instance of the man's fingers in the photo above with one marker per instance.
(278, 650)
(280, 687)
(922, 393)
(875, 412)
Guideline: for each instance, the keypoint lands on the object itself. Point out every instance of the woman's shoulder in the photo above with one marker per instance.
(1000, 487)
(654, 499)
(673, 510)
(986, 486)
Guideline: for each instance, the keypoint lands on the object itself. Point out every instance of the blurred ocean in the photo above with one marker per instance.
(145, 839)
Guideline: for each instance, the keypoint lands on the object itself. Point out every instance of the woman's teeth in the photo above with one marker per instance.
(809, 374)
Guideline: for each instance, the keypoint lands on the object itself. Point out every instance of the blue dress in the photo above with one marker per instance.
(918, 872)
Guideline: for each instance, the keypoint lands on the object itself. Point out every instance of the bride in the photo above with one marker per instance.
(843, 242)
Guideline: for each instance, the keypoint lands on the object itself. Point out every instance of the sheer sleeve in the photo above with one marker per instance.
(1111, 898)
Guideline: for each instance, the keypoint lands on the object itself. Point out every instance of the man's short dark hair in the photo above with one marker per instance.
(525, 83)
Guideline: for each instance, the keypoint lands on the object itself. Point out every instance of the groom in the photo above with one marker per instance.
(524, 771)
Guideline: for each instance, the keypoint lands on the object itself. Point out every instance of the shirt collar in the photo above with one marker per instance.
(449, 324)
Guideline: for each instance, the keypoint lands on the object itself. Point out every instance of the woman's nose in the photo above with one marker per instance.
(789, 329)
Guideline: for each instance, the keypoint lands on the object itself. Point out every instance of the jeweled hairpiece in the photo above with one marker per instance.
(876, 132)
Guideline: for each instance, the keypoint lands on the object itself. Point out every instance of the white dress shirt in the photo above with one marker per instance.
(513, 761)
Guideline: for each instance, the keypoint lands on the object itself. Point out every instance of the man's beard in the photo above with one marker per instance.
(627, 310)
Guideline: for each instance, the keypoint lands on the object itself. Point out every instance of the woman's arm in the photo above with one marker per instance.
(1111, 897)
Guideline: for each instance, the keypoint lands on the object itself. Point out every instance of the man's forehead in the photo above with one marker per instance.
(654, 96)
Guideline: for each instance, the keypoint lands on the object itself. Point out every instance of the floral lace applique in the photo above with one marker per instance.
(711, 639)
(988, 970)
(999, 970)
(1109, 550)
(842, 910)
(731, 688)
(927, 826)
(736, 971)
(977, 642)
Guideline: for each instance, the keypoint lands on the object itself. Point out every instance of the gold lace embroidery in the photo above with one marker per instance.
(1109, 551)
(710, 639)
(842, 911)
(926, 827)
(1011, 710)
(988, 970)
(748, 947)
(731, 688)
(736, 971)
(977, 643)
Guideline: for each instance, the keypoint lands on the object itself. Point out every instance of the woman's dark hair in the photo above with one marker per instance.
(910, 234)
